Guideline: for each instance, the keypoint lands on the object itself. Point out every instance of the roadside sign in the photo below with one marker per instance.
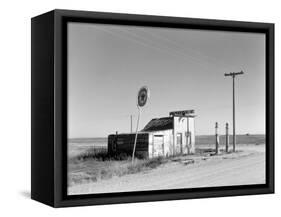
(143, 96)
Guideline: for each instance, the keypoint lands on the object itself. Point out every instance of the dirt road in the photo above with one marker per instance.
(224, 170)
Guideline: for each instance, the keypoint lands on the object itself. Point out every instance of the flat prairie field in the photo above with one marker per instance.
(91, 171)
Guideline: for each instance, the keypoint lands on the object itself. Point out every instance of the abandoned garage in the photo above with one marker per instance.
(165, 136)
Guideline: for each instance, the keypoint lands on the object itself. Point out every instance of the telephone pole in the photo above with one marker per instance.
(131, 118)
(233, 75)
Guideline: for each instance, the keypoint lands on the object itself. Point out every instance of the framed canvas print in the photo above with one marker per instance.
(134, 108)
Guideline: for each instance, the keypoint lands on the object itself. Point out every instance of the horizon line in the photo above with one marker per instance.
(244, 134)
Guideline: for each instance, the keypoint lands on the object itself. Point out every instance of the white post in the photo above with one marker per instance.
(136, 136)
(217, 138)
(226, 137)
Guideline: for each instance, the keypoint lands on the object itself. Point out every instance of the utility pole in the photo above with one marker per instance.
(131, 117)
(233, 75)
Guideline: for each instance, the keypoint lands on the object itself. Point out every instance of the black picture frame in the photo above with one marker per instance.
(49, 107)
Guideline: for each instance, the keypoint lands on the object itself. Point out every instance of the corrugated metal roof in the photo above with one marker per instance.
(157, 124)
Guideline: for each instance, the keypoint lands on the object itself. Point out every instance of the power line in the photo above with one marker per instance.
(180, 47)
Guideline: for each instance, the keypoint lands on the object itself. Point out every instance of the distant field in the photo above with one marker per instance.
(98, 140)
(202, 140)
(240, 139)
(77, 146)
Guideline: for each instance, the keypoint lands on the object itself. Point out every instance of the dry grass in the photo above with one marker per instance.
(94, 165)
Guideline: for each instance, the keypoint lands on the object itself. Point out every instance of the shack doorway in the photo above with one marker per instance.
(158, 145)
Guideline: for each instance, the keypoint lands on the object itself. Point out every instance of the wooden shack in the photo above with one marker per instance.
(165, 136)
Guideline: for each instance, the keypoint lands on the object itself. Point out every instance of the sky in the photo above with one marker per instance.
(183, 68)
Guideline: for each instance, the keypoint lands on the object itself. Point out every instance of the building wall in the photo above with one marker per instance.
(191, 128)
(180, 128)
(124, 144)
(184, 126)
(156, 150)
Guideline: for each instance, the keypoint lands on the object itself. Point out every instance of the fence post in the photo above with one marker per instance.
(217, 138)
(226, 138)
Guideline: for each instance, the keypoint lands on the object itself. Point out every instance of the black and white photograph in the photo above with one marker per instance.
(156, 108)
(140, 108)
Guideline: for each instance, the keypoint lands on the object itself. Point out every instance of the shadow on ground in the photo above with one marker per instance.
(25, 194)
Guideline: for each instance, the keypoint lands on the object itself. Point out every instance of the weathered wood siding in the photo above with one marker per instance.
(124, 144)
